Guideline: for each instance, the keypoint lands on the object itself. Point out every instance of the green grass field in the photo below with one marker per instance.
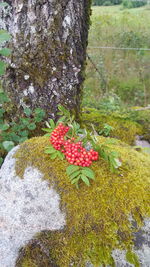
(125, 73)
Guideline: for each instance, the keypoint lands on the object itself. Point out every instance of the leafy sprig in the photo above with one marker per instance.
(77, 173)
(54, 153)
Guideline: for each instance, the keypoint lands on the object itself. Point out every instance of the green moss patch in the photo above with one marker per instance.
(124, 129)
(97, 217)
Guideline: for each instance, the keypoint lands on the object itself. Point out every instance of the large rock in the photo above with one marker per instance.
(27, 206)
(36, 197)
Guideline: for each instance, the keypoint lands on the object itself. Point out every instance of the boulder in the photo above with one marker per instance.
(27, 206)
(46, 221)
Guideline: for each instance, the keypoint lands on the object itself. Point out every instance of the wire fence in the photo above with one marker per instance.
(119, 48)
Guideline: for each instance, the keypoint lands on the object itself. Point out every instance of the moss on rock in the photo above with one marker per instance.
(124, 129)
(142, 117)
(98, 217)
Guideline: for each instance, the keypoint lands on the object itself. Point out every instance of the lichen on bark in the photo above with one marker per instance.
(49, 40)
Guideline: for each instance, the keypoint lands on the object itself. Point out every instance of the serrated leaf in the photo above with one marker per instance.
(54, 155)
(8, 145)
(85, 180)
(64, 111)
(47, 130)
(72, 168)
(88, 172)
(60, 155)
(74, 181)
(50, 150)
(47, 135)
(52, 123)
(75, 174)
(62, 119)
(5, 52)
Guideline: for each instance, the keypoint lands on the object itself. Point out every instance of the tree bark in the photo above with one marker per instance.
(49, 40)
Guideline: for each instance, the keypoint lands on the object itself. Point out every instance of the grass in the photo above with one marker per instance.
(119, 71)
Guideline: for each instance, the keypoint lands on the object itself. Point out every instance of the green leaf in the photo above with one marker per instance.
(4, 36)
(27, 112)
(31, 126)
(74, 181)
(50, 150)
(132, 258)
(63, 111)
(72, 168)
(3, 66)
(5, 52)
(75, 174)
(38, 119)
(14, 137)
(52, 123)
(47, 130)
(4, 127)
(25, 121)
(22, 139)
(54, 155)
(47, 135)
(88, 172)
(85, 180)
(24, 133)
(60, 155)
(62, 119)
(8, 145)
(40, 111)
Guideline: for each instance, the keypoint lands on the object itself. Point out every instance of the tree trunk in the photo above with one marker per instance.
(49, 40)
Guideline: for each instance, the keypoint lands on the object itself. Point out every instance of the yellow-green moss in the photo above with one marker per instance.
(124, 129)
(28, 263)
(97, 217)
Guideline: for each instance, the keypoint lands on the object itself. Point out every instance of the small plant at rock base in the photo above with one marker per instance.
(68, 141)
(106, 130)
(14, 132)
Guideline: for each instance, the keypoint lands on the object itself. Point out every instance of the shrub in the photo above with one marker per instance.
(133, 3)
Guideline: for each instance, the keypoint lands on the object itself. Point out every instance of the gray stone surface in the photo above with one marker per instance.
(140, 142)
(27, 206)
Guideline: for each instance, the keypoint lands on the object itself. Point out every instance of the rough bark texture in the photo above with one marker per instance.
(49, 39)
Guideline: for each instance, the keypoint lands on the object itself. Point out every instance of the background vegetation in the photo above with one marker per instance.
(125, 3)
(123, 75)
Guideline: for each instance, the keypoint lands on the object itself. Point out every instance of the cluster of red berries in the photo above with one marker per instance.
(75, 153)
(57, 136)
